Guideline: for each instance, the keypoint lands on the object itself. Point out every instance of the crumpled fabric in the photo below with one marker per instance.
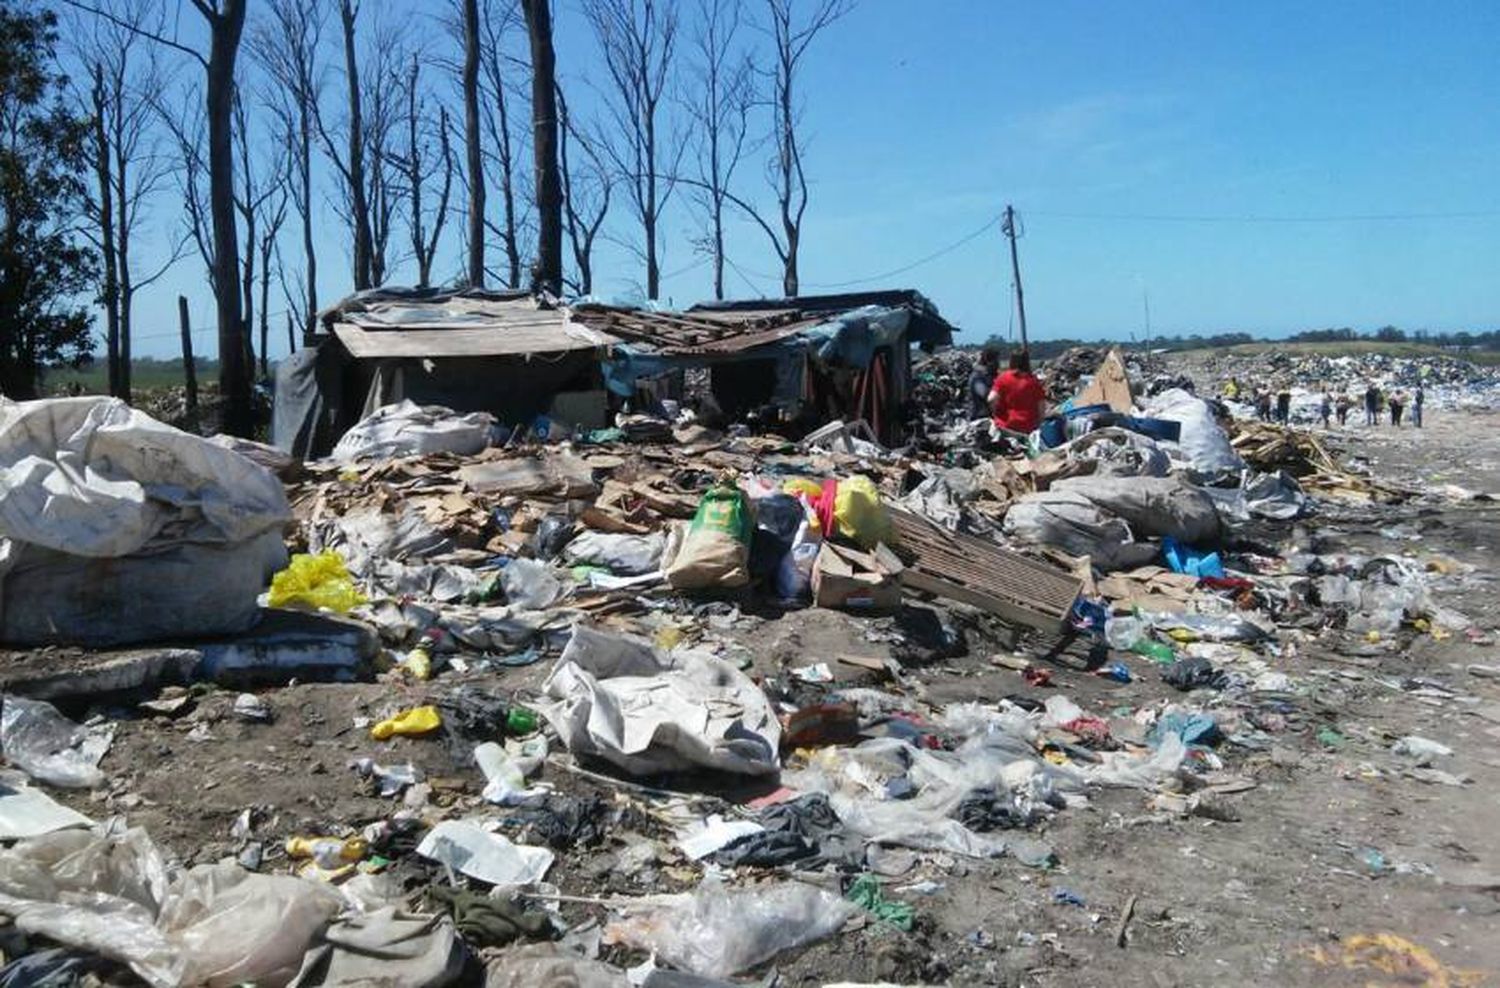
(385, 947)
(491, 922)
(645, 711)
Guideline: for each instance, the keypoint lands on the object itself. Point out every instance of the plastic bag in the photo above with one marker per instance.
(630, 555)
(48, 746)
(530, 584)
(715, 552)
(860, 514)
(316, 583)
(718, 932)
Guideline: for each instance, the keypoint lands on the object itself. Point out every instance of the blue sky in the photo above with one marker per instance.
(1108, 126)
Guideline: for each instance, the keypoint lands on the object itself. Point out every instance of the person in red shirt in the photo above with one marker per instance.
(1017, 397)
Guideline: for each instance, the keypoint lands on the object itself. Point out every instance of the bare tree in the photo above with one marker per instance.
(639, 41)
(287, 48)
(350, 163)
(417, 169)
(385, 84)
(718, 98)
(586, 195)
(126, 81)
(261, 203)
(546, 274)
(226, 24)
(473, 154)
(225, 20)
(791, 37)
(496, 63)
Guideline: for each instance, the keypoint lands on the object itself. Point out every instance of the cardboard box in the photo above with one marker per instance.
(853, 580)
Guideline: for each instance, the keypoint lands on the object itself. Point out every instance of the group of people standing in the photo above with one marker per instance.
(1277, 406)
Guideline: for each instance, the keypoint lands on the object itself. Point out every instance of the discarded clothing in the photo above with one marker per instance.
(565, 821)
(984, 810)
(383, 947)
(865, 893)
(1191, 674)
(766, 849)
(490, 922)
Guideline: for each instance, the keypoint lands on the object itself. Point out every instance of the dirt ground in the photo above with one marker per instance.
(1334, 851)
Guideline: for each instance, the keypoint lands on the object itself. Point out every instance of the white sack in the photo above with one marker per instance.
(1203, 446)
(1152, 506)
(409, 429)
(115, 528)
(1071, 522)
(649, 712)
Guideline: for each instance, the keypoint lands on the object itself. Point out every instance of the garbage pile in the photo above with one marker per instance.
(1448, 382)
(592, 744)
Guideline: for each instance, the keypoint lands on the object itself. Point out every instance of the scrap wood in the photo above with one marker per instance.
(961, 567)
(1110, 386)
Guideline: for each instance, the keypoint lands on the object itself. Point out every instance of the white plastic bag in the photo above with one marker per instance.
(48, 746)
(717, 932)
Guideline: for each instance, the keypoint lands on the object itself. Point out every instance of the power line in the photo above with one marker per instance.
(174, 334)
(1315, 218)
(914, 264)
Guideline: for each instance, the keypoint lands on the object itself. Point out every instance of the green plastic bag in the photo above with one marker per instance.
(716, 550)
(314, 583)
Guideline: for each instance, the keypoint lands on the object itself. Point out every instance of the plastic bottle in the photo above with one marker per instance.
(1154, 650)
(520, 720)
(328, 852)
(418, 664)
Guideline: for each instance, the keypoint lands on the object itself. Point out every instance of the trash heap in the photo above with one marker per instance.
(1448, 382)
(593, 735)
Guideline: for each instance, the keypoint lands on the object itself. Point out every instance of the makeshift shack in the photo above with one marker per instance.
(506, 353)
(818, 358)
(516, 356)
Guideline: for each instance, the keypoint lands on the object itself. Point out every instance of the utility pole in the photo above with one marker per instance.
(1009, 228)
(189, 368)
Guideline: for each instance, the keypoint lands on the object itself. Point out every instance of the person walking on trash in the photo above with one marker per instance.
(1372, 404)
(1325, 409)
(1284, 405)
(1418, 399)
(1397, 402)
(1017, 397)
(1342, 407)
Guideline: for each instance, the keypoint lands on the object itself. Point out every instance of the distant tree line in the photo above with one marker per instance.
(1047, 349)
(1462, 340)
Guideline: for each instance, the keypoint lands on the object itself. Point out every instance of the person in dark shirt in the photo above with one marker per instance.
(1372, 405)
(1284, 406)
(1417, 401)
(981, 381)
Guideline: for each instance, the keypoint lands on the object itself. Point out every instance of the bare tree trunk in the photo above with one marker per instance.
(358, 201)
(226, 24)
(547, 273)
(471, 140)
(109, 294)
(304, 178)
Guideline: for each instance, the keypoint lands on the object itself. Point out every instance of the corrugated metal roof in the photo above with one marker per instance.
(460, 326)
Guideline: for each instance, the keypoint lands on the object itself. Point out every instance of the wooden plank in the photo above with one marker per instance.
(1007, 611)
(465, 342)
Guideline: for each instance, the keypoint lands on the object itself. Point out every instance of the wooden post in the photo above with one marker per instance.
(1015, 268)
(189, 369)
(291, 336)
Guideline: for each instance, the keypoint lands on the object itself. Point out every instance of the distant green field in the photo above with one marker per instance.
(1349, 348)
(145, 375)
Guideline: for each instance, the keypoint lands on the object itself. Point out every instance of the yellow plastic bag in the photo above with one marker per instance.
(859, 513)
(408, 723)
(801, 485)
(315, 583)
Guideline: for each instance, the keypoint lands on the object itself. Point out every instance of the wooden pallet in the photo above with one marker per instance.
(961, 567)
